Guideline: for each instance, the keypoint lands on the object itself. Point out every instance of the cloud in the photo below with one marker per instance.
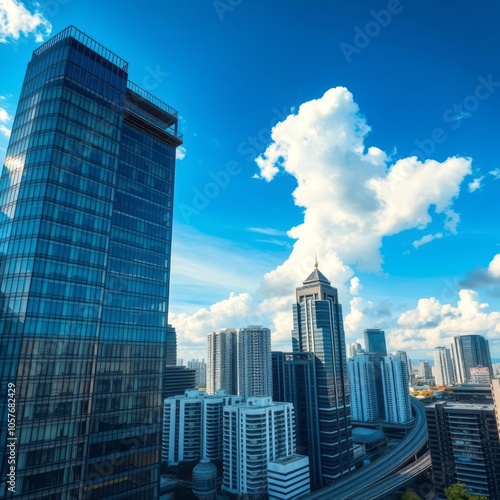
(4, 115)
(481, 277)
(353, 195)
(475, 184)
(432, 323)
(495, 173)
(4, 130)
(17, 20)
(426, 239)
(356, 286)
(266, 230)
(180, 153)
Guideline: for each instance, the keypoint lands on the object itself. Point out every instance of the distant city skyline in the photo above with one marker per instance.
(421, 264)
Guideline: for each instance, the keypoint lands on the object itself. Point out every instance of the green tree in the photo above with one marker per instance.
(458, 491)
(410, 495)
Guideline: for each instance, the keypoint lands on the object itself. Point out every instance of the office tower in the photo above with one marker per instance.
(479, 375)
(425, 371)
(204, 480)
(375, 341)
(177, 379)
(443, 366)
(294, 381)
(470, 351)
(171, 346)
(192, 426)
(201, 371)
(395, 388)
(318, 328)
(86, 198)
(254, 361)
(255, 433)
(465, 447)
(364, 396)
(222, 366)
(495, 390)
(355, 348)
(288, 478)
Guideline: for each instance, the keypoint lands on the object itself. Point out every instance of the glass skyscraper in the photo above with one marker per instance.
(318, 328)
(86, 197)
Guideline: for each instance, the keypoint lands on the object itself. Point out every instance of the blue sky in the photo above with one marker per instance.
(374, 126)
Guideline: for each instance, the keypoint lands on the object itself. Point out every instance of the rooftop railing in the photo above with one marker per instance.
(152, 99)
(79, 36)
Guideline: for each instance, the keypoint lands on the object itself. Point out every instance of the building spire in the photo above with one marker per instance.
(315, 260)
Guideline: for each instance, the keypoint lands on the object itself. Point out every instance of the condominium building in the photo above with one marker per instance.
(495, 390)
(444, 373)
(222, 361)
(364, 395)
(201, 371)
(192, 426)
(254, 361)
(465, 447)
(288, 478)
(396, 392)
(86, 198)
(255, 433)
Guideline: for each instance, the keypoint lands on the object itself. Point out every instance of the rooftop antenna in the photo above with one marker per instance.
(315, 260)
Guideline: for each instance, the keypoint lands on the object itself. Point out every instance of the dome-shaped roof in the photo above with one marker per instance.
(204, 470)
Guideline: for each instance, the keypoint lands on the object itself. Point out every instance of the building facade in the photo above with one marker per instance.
(254, 361)
(375, 341)
(222, 361)
(192, 426)
(444, 373)
(255, 433)
(396, 391)
(465, 447)
(288, 478)
(86, 197)
(470, 351)
(294, 381)
(364, 395)
(201, 372)
(318, 328)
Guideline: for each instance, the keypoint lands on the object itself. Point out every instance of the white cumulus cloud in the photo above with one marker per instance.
(180, 153)
(427, 239)
(475, 184)
(17, 20)
(494, 266)
(353, 195)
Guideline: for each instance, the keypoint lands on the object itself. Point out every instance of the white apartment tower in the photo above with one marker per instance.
(395, 389)
(443, 366)
(222, 361)
(254, 361)
(364, 405)
(192, 426)
(255, 433)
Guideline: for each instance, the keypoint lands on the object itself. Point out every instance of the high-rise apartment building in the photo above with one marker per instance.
(222, 361)
(192, 426)
(375, 341)
(395, 389)
(318, 328)
(464, 445)
(470, 351)
(86, 197)
(255, 433)
(444, 373)
(495, 391)
(201, 371)
(425, 371)
(364, 395)
(355, 348)
(254, 361)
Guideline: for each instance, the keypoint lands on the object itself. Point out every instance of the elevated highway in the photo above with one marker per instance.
(366, 480)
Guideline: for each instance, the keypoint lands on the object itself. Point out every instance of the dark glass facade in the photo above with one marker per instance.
(375, 341)
(86, 196)
(318, 328)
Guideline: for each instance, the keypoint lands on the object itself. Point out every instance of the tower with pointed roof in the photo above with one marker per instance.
(318, 328)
